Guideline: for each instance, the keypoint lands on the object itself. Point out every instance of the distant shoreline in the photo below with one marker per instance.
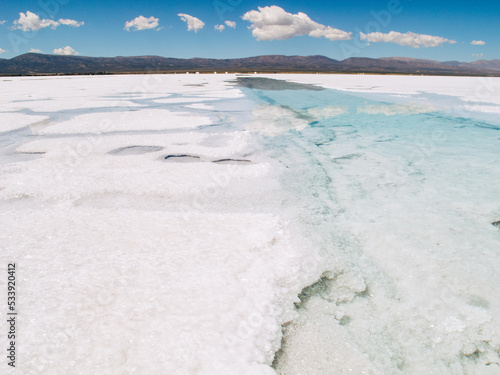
(200, 72)
(35, 64)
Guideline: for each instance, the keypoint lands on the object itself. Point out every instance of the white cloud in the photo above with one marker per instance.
(142, 23)
(2, 22)
(273, 22)
(35, 50)
(31, 21)
(221, 28)
(2, 51)
(478, 43)
(193, 23)
(407, 39)
(72, 23)
(478, 54)
(68, 51)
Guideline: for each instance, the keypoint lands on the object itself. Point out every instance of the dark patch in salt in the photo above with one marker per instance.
(345, 320)
(319, 288)
(232, 161)
(282, 349)
(135, 150)
(496, 223)
(477, 301)
(348, 157)
(364, 294)
(182, 158)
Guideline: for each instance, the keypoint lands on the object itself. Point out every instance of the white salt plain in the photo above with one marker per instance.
(13, 121)
(172, 231)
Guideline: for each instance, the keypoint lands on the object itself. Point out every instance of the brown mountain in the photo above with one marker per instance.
(487, 65)
(35, 64)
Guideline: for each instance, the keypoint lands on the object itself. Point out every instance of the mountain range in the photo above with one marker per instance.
(41, 64)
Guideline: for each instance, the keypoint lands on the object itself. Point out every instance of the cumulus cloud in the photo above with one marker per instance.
(35, 50)
(2, 51)
(72, 23)
(407, 39)
(142, 23)
(193, 23)
(68, 51)
(2, 22)
(273, 22)
(31, 21)
(478, 54)
(478, 43)
(230, 24)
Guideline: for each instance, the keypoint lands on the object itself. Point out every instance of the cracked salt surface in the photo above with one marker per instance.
(362, 227)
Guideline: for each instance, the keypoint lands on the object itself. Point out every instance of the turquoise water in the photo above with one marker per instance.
(400, 200)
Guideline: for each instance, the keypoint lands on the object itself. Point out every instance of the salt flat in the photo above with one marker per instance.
(473, 89)
(168, 224)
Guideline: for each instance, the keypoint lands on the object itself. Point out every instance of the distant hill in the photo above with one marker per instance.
(36, 64)
(484, 64)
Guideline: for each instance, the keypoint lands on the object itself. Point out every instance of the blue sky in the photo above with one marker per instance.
(442, 30)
